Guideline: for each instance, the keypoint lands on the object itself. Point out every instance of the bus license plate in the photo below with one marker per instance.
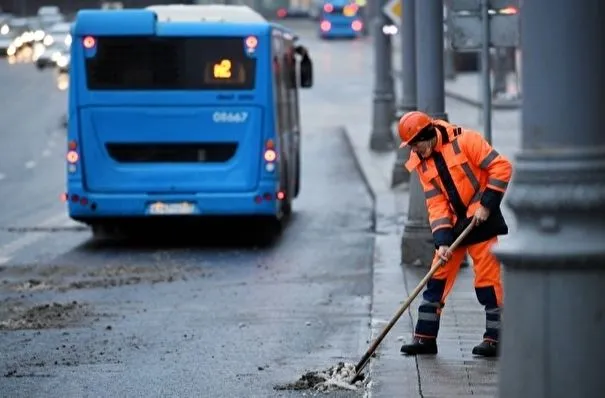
(161, 208)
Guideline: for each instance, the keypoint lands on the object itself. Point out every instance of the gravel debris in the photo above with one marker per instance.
(337, 377)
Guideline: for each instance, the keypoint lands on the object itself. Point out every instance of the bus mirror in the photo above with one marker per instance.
(306, 72)
(306, 67)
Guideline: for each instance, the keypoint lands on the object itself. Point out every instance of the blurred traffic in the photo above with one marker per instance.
(42, 40)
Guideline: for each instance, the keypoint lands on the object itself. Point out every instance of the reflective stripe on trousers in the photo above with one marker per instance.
(488, 288)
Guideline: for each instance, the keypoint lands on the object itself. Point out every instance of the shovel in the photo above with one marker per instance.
(366, 357)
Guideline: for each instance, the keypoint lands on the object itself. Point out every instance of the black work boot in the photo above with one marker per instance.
(420, 346)
(487, 348)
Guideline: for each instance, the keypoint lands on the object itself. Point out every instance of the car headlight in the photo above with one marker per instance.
(4, 30)
(62, 62)
(55, 56)
(39, 35)
(68, 40)
(48, 40)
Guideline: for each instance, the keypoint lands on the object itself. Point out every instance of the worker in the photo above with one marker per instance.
(464, 180)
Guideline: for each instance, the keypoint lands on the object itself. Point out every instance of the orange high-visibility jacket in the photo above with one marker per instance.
(480, 176)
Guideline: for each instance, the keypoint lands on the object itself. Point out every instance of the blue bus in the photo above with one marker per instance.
(183, 111)
(340, 19)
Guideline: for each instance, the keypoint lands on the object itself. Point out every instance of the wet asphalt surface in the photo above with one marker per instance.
(201, 316)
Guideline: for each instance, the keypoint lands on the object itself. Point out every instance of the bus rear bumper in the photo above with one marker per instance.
(339, 33)
(83, 206)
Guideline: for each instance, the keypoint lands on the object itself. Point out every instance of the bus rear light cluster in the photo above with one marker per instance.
(72, 156)
(75, 198)
(267, 196)
(270, 156)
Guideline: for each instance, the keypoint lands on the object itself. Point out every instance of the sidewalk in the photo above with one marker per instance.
(466, 87)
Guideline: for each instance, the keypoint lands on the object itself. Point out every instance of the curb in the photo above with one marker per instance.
(389, 375)
(362, 172)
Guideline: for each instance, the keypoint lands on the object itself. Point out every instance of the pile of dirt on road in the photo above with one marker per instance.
(45, 316)
(337, 377)
(63, 278)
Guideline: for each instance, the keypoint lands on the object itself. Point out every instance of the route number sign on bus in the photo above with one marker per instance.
(222, 70)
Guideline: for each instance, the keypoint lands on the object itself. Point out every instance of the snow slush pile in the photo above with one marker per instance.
(337, 377)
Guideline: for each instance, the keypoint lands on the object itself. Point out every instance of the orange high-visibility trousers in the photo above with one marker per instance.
(488, 287)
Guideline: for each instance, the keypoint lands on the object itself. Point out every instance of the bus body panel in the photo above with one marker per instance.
(171, 149)
(112, 180)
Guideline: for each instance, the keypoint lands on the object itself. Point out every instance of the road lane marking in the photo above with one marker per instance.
(8, 250)
(30, 164)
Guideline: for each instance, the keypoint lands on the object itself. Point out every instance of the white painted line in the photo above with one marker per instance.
(46, 153)
(8, 250)
(2, 176)
(30, 164)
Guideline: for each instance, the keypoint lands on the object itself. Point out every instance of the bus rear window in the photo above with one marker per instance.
(170, 63)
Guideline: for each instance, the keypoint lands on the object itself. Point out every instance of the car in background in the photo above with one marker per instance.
(63, 62)
(11, 31)
(292, 12)
(56, 44)
(7, 36)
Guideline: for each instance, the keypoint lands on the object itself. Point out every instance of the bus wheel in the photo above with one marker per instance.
(286, 203)
(297, 178)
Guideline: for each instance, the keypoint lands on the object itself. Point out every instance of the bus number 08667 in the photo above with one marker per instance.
(230, 117)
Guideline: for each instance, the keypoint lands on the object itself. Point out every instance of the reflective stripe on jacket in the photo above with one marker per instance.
(479, 175)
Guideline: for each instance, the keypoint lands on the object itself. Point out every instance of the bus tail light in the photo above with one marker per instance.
(325, 26)
(357, 25)
(251, 43)
(72, 157)
(89, 42)
(270, 155)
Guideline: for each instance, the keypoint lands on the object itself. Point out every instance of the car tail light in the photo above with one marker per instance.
(328, 8)
(356, 26)
(325, 26)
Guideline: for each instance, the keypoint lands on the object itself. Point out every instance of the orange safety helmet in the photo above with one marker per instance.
(411, 124)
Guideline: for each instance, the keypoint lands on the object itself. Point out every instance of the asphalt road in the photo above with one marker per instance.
(83, 318)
